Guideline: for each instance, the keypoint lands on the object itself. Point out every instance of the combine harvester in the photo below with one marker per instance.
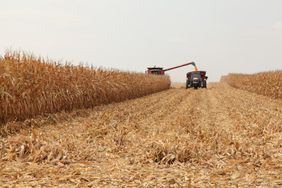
(195, 79)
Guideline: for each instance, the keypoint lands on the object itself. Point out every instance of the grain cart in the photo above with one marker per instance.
(196, 79)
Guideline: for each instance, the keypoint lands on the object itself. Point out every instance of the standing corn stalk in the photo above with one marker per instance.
(33, 86)
(265, 83)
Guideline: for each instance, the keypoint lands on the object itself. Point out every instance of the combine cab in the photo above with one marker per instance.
(155, 70)
(196, 79)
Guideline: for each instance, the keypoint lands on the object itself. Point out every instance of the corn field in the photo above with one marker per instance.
(215, 137)
(33, 86)
(265, 83)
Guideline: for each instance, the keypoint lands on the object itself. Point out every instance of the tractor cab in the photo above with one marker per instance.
(155, 70)
(199, 74)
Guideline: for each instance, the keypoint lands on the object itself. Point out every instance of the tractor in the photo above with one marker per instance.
(196, 79)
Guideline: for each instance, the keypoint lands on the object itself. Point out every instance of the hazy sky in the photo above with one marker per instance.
(222, 36)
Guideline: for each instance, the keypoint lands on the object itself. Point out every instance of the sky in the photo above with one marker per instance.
(234, 36)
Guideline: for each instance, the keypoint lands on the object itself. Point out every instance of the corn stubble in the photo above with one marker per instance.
(220, 137)
(33, 86)
(265, 83)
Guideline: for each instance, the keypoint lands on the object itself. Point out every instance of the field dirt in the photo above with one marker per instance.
(218, 136)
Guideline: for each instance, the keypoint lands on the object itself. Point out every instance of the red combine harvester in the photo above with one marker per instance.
(161, 71)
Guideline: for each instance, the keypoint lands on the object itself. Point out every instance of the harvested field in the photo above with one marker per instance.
(33, 86)
(220, 136)
(264, 83)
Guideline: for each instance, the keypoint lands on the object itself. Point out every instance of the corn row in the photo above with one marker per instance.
(265, 83)
(33, 86)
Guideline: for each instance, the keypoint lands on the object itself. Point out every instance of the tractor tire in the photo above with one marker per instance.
(204, 84)
(188, 85)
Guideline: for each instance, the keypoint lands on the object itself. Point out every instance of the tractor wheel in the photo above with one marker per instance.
(187, 84)
(204, 84)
